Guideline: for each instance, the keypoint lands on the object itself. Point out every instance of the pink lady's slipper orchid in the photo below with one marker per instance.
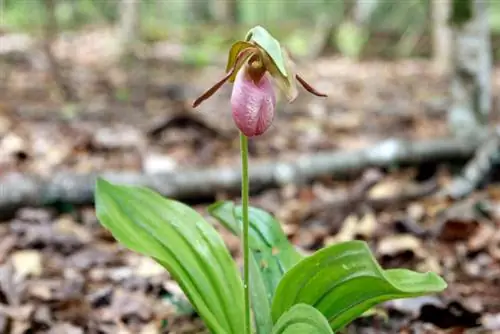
(250, 63)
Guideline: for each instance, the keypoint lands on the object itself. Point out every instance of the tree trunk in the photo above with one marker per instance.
(224, 11)
(199, 10)
(353, 33)
(471, 81)
(128, 29)
(363, 11)
(128, 39)
(51, 31)
(442, 36)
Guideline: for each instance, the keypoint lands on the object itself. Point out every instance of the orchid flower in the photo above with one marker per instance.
(250, 63)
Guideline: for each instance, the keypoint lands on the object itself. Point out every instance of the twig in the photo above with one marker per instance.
(477, 169)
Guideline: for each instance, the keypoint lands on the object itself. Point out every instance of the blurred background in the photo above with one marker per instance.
(404, 151)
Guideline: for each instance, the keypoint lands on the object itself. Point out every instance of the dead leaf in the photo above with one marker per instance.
(119, 136)
(154, 163)
(458, 222)
(491, 321)
(385, 188)
(127, 304)
(27, 263)
(65, 328)
(481, 239)
(66, 225)
(494, 247)
(11, 285)
(346, 233)
(20, 313)
(367, 225)
(394, 245)
(19, 327)
(91, 257)
(150, 328)
(6, 245)
(147, 267)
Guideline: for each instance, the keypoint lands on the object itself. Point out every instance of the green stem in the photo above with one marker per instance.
(246, 247)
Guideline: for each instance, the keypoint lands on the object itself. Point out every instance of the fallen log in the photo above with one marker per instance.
(21, 190)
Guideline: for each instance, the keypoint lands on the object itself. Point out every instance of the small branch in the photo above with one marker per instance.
(18, 190)
(477, 169)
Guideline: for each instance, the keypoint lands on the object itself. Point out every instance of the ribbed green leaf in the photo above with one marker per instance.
(344, 280)
(261, 304)
(302, 319)
(269, 244)
(268, 43)
(288, 85)
(179, 239)
(272, 256)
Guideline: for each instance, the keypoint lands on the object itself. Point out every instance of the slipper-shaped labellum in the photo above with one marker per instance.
(252, 103)
(250, 65)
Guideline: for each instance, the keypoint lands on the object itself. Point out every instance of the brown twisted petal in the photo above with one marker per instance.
(308, 87)
(242, 57)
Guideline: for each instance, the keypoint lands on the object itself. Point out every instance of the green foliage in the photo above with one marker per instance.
(234, 51)
(179, 239)
(344, 280)
(272, 255)
(351, 39)
(290, 293)
(301, 319)
(461, 11)
(266, 41)
(276, 60)
(340, 282)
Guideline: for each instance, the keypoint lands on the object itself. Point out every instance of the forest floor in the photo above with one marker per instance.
(60, 272)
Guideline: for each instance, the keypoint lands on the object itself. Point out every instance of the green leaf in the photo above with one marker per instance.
(269, 244)
(344, 280)
(268, 43)
(235, 50)
(272, 255)
(261, 304)
(302, 319)
(288, 85)
(351, 39)
(179, 239)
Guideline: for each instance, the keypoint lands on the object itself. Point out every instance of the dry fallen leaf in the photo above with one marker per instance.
(385, 189)
(68, 226)
(147, 267)
(65, 328)
(27, 263)
(367, 225)
(481, 239)
(396, 244)
(494, 246)
(346, 233)
(491, 321)
(150, 328)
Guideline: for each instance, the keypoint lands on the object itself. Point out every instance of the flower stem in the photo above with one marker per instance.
(246, 248)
